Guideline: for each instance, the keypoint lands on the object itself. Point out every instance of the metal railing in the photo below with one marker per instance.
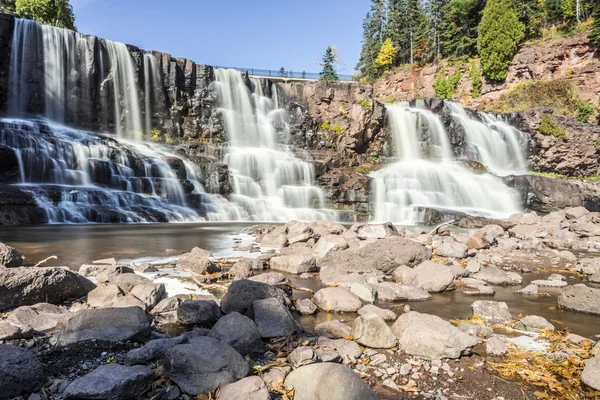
(286, 74)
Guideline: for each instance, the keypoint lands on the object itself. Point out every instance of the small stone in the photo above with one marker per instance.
(306, 307)
(302, 355)
(405, 369)
(495, 347)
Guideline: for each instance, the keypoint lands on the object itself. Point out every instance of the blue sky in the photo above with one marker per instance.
(266, 34)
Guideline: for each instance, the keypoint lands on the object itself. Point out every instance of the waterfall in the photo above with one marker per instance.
(426, 176)
(151, 80)
(23, 64)
(269, 182)
(492, 142)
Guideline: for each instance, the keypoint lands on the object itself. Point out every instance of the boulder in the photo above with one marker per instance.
(9, 257)
(333, 329)
(495, 347)
(390, 291)
(591, 373)
(276, 238)
(149, 293)
(533, 323)
(198, 312)
(336, 299)
(366, 293)
(111, 382)
(239, 332)
(530, 289)
(203, 365)
(429, 276)
(451, 248)
(197, 261)
(347, 349)
(529, 232)
(496, 276)
(26, 286)
(104, 295)
(125, 281)
(271, 278)
(328, 381)
(549, 283)
(108, 324)
(430, 337)
(387, 315)
(273, 318)
(371, 330)
(9, 331)
(375, 260)
(275, 376)
(329, 243)
(296, 263)
(375, 231)
(302, 355)
(475, 330)
(329, 355)
(20, 372)
(40, 317)
(580, 298)
(242, 269)
(242, 294)
(250, 388)
(153, 351)
(492, 312)
(305, 307)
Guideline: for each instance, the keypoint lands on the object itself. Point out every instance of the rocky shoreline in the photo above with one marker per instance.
(234, 328)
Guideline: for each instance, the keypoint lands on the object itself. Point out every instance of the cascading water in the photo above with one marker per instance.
(426, 176)
(152, 77)
(492, 142)
(269, 182)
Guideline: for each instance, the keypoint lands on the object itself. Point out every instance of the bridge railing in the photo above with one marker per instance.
(286, 74)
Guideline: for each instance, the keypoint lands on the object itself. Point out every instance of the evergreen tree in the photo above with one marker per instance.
(531, 15)
(52, 12)
(500, 33)
(373, 36)
(435, 10)
(407, 28)
(595, 31)
(459, 27)
(328, 73)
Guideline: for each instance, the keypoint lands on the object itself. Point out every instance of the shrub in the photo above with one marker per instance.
(559, 95)
(364, 103)
(584, 110)
(170, 140)
(549, 127)
(155, 135)
(325, 125)
(597, 144)
(476, 82)
(445, 87)
(343, 111)
(338, 130)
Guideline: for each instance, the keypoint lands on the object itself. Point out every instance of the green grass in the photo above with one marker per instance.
(338, 130)
(365, 104)
(549, 127)
(560, 95)
(325, 125)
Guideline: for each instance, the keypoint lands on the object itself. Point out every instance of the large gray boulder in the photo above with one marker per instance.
(239, 332)
(302, 355)
(149, 293)
(431, 337)
(198, 312)
(451, 248)
(295, 263)
(328, 381)
(25, 286)
(20, 372)
(348, 350)
(580, 298)
(203, 365)
(429, 276)
(329, 243)
(273, 319)
(104, 295)
(40, 317)
(111, 382)
(375, 231)
(9, 257)
(390, 291)
(250, 388)
(109, 324)
(197, 261)
(533, 323)
(387, 315)
(153, 350)
(243, 293)
(492, 312)
(336, 299)
(381, 257)
(591, 373)
(496, 276)
(371, 330)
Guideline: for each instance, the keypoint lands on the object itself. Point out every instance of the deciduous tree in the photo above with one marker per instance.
(52, 12)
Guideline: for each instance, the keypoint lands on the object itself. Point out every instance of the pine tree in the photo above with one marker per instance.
(500, 33)
(595, 31)
(459, 24)
(328, 73)
(396, 30)
(373, 37)
(435, 9)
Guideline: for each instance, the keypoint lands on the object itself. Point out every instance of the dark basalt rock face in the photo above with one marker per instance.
(18, 207)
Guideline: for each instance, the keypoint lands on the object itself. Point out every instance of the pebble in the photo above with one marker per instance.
(405, 369)
(446, 367)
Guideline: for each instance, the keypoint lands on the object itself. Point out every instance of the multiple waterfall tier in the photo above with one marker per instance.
(427, 175)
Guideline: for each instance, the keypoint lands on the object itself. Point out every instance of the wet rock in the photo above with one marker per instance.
(580, 298)
(371, 330)
(198, 312)
(451, 248)
(387, 315)
(239, 332)
(242, 294)
(20, 372)
(375, 231)
(366, 293)
(302, 355)
(328, 381)
(390, 291)
(153, 351)
(250, 388)
(429, 276)
(431, 337)
(492, 312)
(496, 276)
(591, 373)
(9, 257)
(495, 347)
(271, 278)
(306, 307)
(533, 323)
(273, 318)
(475, 330)
(109, 324)
(333, 329)
(549, 283)
(297, 263)
(557, 277)
(203, 365)
(480, 291)
(378, 258)
(197, 261)
(336, 299)
(111, 382)
(242, 269)
(530, 289)
(348, 350)
(25, 286)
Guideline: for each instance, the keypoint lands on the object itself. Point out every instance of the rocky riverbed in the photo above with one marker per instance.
(318, 311)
